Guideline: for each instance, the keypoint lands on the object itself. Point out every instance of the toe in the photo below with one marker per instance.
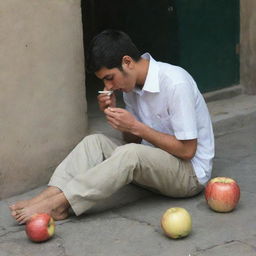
(23, 221)
(19, 211)
(12, 207)
(18, 215)
(20, 219)
(13, 213)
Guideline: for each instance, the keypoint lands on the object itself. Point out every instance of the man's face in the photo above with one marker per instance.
(116, 79)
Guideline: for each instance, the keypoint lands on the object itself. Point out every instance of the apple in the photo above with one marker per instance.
(40, 227)
(222, 194)
(176, 222)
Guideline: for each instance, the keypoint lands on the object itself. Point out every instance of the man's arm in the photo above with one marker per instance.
(124, 121)
(184, 149)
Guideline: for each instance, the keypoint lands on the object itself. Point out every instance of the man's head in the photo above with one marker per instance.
(108, 48)
(115, 60)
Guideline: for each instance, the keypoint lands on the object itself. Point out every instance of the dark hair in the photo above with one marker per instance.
(108, 48)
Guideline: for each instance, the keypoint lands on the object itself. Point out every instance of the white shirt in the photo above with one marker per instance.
(170, 102)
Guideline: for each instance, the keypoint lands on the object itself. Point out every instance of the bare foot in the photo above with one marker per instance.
(57, 206)
(19, 205)
(50, 191)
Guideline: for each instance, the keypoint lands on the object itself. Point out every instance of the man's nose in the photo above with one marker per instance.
(108, 85)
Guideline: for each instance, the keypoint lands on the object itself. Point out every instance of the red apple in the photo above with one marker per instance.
(176, 222)
(40, 227)
(222, 194)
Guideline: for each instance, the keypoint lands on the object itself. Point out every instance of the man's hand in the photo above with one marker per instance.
(125, 122)
(120, 119)
(105, 101)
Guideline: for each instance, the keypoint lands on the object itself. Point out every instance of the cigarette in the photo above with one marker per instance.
(106, 92)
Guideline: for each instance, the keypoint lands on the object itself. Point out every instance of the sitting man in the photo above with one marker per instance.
(166, 124)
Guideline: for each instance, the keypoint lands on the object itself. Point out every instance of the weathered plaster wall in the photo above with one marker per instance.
(248, 45)
(42, 94)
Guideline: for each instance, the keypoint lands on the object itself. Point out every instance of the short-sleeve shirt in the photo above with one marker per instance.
(171, 103)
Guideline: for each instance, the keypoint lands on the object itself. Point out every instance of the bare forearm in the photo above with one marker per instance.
(182, 149)
(125, 122)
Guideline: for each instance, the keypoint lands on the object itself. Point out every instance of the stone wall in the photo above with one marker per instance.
(248, 45)
(42, 93)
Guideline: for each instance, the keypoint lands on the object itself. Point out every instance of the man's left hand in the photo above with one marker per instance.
(120, 119)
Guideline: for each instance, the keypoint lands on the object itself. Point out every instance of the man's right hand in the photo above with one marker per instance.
(106, 101)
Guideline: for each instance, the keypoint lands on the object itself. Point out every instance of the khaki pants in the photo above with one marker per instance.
(98, 167)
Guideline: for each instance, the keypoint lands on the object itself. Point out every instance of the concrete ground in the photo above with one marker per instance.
(128, 223)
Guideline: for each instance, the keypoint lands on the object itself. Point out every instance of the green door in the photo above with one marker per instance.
(209, 41)
(201, 36)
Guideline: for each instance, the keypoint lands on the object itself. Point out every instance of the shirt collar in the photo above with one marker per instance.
(151, 83)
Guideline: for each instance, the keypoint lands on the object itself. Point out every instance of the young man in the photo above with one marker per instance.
(166, 124)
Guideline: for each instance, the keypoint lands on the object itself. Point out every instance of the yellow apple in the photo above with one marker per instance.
(176, 222)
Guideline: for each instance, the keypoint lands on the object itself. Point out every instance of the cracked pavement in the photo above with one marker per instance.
(128, 223)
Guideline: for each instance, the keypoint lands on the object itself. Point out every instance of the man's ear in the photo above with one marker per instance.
(127, 62)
